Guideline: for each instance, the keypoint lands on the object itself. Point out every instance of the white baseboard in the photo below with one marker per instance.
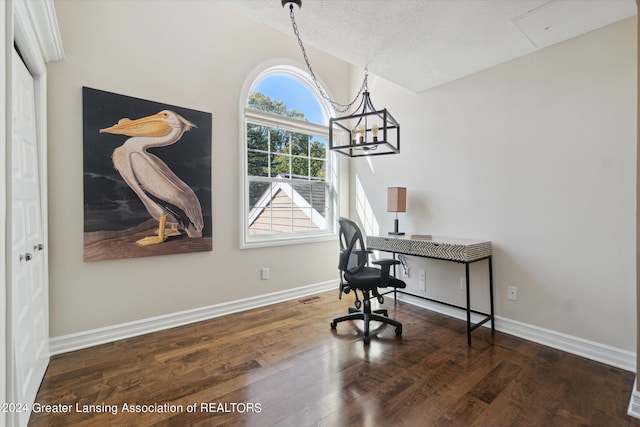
(85, 339)
(634, 403)
(591, 350)
(603, 353)
(609, 355)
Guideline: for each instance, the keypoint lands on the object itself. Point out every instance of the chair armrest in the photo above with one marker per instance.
(385, 266)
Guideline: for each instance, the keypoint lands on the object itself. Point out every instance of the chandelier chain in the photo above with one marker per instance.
(341, 108)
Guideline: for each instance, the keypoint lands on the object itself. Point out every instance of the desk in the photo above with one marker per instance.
(462, 251)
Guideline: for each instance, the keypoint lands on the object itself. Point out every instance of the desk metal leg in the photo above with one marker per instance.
(467, 308)
(493, 317)
(466, 272)
(395, 290)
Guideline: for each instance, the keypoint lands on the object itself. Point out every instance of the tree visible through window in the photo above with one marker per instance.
(289, 190)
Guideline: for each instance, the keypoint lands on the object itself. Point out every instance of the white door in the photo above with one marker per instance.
(29, 333)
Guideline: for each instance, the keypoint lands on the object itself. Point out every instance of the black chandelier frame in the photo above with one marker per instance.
(367, 131)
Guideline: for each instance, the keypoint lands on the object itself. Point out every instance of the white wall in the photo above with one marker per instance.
(193, 54)
(539, 156)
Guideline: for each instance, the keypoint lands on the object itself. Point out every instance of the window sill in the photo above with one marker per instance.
(287, 240)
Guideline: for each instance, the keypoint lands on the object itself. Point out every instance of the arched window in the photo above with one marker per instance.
(289, 180)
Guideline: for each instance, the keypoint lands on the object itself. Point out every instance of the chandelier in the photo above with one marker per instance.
(364, 132)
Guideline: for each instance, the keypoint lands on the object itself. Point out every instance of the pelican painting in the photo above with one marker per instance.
(165, 196)
(146, 177)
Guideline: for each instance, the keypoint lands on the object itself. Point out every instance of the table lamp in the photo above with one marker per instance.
(396, 202)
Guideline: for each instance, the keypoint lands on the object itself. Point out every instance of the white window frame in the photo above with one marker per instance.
(264, 118)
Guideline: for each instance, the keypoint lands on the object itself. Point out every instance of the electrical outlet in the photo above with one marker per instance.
(512, 293)
(264, 273)
(422, 280)
(463, 282)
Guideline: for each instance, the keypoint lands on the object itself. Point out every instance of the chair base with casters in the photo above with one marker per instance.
(367, 315)
(356, 275)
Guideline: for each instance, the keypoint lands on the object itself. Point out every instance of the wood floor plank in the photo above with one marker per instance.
(283, 365)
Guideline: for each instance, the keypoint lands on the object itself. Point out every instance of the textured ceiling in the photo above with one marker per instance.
(419, 44)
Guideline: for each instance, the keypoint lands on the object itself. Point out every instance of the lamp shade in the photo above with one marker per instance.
(396, 199)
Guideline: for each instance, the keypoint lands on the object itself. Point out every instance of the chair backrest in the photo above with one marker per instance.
(353, 253)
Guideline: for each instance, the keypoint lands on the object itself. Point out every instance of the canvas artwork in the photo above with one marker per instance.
(147, 177)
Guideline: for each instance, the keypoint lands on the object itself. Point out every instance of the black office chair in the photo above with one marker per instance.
(355, 274)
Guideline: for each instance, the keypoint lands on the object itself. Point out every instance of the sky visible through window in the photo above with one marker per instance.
(294, 94)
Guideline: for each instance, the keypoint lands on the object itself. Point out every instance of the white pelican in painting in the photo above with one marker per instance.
(167, 198)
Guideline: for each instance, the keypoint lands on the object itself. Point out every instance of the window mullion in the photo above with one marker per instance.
(269, 153)
(291, 210)
(290, 153)
(271, 209)
(270, 176)
(309, 157)
(309, 178)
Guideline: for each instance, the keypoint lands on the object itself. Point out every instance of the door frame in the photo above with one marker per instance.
(3, 208)
(33, 27)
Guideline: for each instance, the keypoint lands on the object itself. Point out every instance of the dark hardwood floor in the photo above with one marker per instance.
(283, 365)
